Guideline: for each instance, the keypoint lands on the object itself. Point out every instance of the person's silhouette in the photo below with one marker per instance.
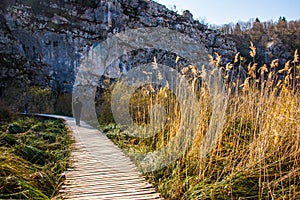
(77, 105)
(26, 108)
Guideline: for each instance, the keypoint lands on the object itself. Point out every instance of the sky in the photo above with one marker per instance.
(218, 12)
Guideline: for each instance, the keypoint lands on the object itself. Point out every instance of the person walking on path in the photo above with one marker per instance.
(26, 108)
(77, 106)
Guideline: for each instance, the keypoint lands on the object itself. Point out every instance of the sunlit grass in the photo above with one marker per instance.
(258, 153)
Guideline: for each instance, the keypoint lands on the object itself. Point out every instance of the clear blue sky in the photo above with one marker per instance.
(226, 11)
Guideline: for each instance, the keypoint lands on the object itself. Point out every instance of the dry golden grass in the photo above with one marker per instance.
(258, 153)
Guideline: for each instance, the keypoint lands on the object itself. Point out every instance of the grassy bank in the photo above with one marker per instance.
(34, 154)
(258, 153)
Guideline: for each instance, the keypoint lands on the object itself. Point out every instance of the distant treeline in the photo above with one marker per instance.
(273, 39)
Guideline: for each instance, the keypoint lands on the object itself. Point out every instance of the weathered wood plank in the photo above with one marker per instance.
(113, 194)
(108, 186)
(97, 189)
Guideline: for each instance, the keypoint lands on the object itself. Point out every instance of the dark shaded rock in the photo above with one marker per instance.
(44, 41)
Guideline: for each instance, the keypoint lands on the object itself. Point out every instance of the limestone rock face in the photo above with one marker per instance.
(46, 40)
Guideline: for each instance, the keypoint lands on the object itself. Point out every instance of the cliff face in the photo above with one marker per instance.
(44, 41)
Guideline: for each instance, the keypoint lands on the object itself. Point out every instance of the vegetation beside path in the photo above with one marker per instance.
(257, 155)
(34, 155)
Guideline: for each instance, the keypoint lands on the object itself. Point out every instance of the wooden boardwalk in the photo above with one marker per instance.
(100, 170)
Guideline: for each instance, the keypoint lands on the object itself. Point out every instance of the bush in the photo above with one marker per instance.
(63, 105)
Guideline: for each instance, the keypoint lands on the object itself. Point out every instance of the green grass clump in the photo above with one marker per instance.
(32, 161)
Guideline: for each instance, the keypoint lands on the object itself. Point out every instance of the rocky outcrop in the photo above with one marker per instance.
(45, 40)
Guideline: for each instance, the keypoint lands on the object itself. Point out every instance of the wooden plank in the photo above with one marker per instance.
(108, 179)
(140, 197)
(104, 173)
(97, 189)
(111, 185)
(111, 194)
(100, 168)
(100, 180)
